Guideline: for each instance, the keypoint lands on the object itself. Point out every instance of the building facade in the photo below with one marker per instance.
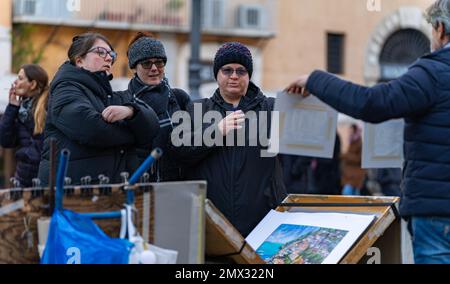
(54, 22)
(287, 37)
(366, 41)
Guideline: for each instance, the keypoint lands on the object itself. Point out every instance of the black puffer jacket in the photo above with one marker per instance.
(243, 185)
(165, 101)
(16, 130)
(77, 99)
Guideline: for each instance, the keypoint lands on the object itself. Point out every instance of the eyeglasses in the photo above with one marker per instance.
(103, 52)
(148, 64)
(228, 71)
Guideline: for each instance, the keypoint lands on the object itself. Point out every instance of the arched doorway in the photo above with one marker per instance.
(406, 18)
(400, 50)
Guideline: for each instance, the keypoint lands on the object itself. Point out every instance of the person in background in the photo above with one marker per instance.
(353, 176)
(384, 182)
(147, 58)
(99, 128)
(22, 124)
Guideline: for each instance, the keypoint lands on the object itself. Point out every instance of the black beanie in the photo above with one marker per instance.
(233, 52)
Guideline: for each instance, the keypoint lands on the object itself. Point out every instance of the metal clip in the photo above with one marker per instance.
(145, 178)
(124, 176)
(15, 182)
(36, 183)
(67, 182)
(16, 192)
(85, 182)
(104, 180)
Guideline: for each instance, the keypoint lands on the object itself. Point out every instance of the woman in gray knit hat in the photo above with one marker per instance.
(147, 58)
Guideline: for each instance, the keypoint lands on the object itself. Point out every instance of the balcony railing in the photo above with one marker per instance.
(235, 17)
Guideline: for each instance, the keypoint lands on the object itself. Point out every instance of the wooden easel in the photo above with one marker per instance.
(383, 236)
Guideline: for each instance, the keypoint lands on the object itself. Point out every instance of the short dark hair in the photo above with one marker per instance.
(82, 43)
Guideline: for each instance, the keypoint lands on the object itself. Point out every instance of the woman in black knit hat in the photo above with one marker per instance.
(147, 58)
(242, 184)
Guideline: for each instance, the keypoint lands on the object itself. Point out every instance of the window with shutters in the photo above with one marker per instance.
(335, 53)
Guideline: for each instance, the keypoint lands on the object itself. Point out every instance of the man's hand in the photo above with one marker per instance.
(113, 114)
(231, 122)
(298, 87)
(12, 96)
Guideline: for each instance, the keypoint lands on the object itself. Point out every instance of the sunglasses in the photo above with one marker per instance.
(148, 64)
(103, 52)
(228, 71)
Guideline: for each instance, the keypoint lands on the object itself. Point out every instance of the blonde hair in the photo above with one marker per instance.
(36, 73)
(40, 112)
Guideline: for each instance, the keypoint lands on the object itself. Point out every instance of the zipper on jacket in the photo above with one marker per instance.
(233, 160)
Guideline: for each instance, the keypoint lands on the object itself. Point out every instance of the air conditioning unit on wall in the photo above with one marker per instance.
(25, 7)
(250, 16)
(213, 13)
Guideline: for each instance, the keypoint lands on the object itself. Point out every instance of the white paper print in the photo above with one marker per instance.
(302, 126)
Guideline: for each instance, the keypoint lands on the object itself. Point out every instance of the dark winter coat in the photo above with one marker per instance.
(422, 98)
(243, 185)
(77, 100)
(165, 101)
(18, 132)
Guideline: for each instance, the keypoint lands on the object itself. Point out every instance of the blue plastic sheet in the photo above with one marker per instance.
(76, 239)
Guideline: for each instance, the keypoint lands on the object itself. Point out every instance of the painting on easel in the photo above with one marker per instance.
(307, 238)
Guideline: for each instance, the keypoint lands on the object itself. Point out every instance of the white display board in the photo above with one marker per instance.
(383, 144)
(302, 126)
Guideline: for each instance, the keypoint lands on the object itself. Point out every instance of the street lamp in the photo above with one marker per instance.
(195, 39)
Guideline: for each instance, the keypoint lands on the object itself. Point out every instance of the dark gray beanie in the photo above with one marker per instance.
(144, 48)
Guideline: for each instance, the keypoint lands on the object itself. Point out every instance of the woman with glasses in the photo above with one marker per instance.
(23, 122)
(100, 128)
(242, 184)
(147, 58)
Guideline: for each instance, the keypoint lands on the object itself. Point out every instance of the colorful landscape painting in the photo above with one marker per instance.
(298, 244)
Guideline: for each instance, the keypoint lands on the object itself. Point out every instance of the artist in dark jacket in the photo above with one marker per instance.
(422, 98)
(100, 129)
(147, 58)
(23, 122)
(242, 184)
